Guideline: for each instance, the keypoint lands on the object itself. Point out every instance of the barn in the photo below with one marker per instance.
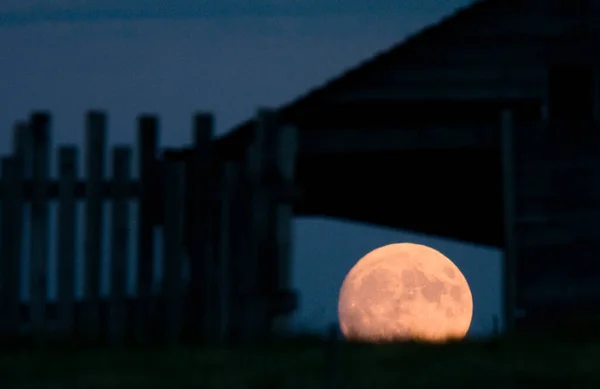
(482, 128)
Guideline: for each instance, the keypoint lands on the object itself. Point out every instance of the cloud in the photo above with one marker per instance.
(19, 12)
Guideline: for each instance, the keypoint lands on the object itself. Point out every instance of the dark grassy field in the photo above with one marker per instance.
(313, 364)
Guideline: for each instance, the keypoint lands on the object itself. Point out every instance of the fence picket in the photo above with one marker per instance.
(119, 242)
(230, 222)
(67, 236)
(147, 146)
(39, 242)
(95, 149)
(173, 249)
(9, 248)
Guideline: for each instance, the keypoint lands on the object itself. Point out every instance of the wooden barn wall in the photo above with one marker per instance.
(502, 55)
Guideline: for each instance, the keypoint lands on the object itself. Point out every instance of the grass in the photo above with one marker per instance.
(308, 364)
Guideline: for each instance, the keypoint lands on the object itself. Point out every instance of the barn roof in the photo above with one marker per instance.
(373, 64)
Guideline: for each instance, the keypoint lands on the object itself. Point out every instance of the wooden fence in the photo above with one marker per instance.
(241, 229)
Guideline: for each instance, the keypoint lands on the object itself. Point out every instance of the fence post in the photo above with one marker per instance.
(202, 309)
(237, 238)
(173, 248)
(95, 150)
(223, 255)
(10, 240)
(67, 236)
(11, 230)
(40, 128)
(121, 177)
(147, 146)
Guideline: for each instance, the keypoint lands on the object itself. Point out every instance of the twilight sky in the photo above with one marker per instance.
(175, 57)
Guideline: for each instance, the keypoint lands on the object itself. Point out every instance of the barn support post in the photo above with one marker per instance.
(507, 157)
(281, 156)
(251, 297)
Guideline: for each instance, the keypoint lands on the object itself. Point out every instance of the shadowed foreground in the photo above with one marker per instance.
(310, 364)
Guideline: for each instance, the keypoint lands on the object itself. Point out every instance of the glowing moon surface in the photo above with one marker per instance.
(405, 292)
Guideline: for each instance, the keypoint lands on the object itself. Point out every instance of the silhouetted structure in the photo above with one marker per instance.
(237, 219)
(410, 139)
(233, 218)
(481, 128)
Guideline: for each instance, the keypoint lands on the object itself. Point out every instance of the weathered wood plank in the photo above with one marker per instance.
(203, 309)
(237, 239)
(450, 72)
(12, 225)
(67, 238)
(9, 250)
(507, 158)
(106, 189)
(565, 229)
(501, 50)
(535, 198)
(375, 140)
(456, 90)
(39, 243)
(547, 281)
(120, 240)
(562, 293)
(95, 159)
(282, 164)
(256, 203)
(173, 249)
(147, 144)
(133, 190)
(223, 254)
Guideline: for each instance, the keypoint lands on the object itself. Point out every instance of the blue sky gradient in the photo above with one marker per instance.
(15, 12)
(228, 59)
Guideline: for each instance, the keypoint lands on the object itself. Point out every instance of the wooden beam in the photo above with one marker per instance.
(203, 308)
(518, 49)
(10, 244)
(223, 250)
(94, 222)
(68, 234)
(256, 224)
(120, 240)
(445, 89)
(507, 157)
(11, 227)
(377, 140)
(559, 292)
(107, 189)
(147, 145)
(173, 251)
(39, 219)
(567, 230)
(280, 168)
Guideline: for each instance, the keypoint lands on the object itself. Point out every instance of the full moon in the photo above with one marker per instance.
(403, 292)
